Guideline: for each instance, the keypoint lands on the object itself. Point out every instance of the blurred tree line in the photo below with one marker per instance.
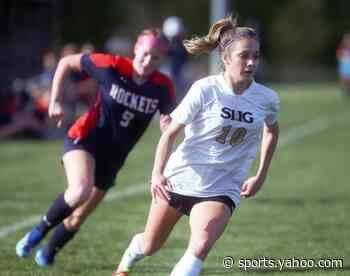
(297, 36)
(299, 31)
(292, 31)
(95, 20)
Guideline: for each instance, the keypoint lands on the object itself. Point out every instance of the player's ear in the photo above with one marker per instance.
(135, 48)
(225, 58)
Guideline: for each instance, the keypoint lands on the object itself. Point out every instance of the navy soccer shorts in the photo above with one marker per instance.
(108, 161)
(184, 204)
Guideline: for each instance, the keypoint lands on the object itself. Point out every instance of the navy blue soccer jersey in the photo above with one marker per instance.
(123, 109)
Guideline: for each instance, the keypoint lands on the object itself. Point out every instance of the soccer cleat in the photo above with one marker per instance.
(42, 259)
(28, 242)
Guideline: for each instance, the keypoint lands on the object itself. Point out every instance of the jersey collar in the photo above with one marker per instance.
(228, 90)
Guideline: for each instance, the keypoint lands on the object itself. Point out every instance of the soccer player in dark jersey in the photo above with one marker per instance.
(131, 91)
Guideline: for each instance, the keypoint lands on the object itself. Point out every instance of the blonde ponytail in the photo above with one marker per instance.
(214, 38)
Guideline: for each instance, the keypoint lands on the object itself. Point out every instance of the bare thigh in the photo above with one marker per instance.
(79, 166)
(161, 220)
(208, 221)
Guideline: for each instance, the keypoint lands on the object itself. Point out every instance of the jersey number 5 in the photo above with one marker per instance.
(236, 137)
(127, 116)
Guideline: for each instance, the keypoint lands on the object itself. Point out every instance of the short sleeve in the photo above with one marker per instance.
(189, 107)
(94, 65)
(273, 111)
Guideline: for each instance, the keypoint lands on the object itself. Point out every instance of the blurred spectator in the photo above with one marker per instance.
(68, 49)
(16, 119)
(23, 110)
(87, 48)
(49, 63)
(343, 57)
(119, 45)
(177, 57)
(40, 86)
(39, 89)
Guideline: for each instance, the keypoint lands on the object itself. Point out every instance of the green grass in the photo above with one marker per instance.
(302, 211)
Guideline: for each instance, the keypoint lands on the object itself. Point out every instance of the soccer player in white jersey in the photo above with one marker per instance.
(226, 118)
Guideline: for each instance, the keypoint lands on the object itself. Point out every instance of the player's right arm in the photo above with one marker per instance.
(180, 117)
(65, 67)
(159, 184)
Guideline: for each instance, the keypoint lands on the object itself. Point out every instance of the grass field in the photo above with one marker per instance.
(302, 211)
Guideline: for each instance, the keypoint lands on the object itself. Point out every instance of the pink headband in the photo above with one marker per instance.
(153, 41)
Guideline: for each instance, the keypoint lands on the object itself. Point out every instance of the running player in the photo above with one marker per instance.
(343, 57)
(131, 92)
(225, 117)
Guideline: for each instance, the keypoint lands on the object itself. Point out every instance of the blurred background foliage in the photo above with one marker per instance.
(293, 31)
(299, 37)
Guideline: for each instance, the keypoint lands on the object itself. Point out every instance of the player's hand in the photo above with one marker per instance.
(160, 187)
(164, 121)
(56, 113)
(251, 186)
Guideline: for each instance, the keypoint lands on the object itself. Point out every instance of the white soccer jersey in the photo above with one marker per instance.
(223, 131)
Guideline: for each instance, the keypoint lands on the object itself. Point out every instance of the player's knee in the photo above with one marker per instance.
(78, 194)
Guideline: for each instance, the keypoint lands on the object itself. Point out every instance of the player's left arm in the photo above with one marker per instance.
(268, 147)
(160, 186)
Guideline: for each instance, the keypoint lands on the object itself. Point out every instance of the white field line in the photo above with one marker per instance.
(318, 125)
(289, 137)
(33, 219)
(5, 231)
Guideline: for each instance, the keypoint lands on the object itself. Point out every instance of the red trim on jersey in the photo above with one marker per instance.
(160, 79)
(81, 128)
(122, 64)
(102, 60)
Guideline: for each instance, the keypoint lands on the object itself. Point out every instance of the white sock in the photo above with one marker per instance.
(131, 255)
(189, 265)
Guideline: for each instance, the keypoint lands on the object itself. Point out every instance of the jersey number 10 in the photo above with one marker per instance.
(236, 137)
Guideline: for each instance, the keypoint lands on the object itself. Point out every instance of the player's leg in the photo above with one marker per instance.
(66, 230)
(79, 167)
(208, 220)
(347, 86)
(161, 220)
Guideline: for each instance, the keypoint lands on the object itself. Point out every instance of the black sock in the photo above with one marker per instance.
(58, 211)
(60, 238)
